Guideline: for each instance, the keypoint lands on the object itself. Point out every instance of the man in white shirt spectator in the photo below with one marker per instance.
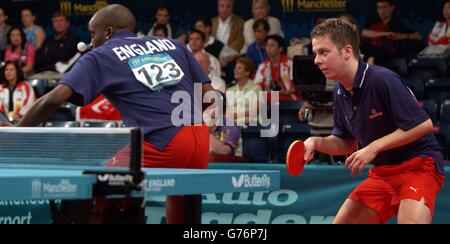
(196, 43)
(212, 46)
(216, 82)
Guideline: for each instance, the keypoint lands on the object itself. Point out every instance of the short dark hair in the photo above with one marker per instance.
(207, 22)
(261, 22)
(163, 7)
(278, 39)
(19, 71)
(161, 27)
(341, 32)
(391, 2)
(202, 35)
(60, 14)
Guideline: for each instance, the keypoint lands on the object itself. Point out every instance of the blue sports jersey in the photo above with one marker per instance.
(139, 76)
(381, 104)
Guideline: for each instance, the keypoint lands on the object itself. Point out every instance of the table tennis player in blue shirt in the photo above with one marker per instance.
(139, 76)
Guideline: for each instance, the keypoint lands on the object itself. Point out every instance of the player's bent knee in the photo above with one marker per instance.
(414, 212)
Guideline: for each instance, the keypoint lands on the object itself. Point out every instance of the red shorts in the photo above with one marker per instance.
(189, 149)
(387, 186)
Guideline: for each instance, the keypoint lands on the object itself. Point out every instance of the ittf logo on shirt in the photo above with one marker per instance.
(374, 114)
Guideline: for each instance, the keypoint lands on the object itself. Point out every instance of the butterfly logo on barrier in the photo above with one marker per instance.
(238, 183)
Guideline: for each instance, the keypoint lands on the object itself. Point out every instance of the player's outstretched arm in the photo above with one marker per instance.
(332, 145)
(46, 106)
(358, 160)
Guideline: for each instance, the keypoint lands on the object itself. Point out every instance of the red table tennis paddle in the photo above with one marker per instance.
(295, 159)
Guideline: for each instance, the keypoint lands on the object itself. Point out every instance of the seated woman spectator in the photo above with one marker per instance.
(160, 30)
(22, 93)
(242, 98)
(19, 50)
(438, 40)
(260, 9)
(441, 31)
(34, 33)
(275, 74)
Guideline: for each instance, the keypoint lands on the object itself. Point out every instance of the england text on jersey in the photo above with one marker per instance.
(151, 47)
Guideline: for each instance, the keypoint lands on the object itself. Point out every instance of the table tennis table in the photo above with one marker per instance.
(27, 182)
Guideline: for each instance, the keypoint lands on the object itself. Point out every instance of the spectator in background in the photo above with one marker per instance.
(386, 36)
(256, 51)
(58, 48)
(162, 17)
(4, 30)
(216, 82)
(440, 33)
(20, 51)
(22, 93)
(213, 46)
(228, 27)
(196, 43)
(242, 98)
(261, 10)
(160, 31)
(34, 33)
(275, 74)
(224, 139)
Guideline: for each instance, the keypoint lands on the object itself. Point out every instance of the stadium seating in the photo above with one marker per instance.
(289, 111)
(431, 107)
(290, 133)
(97, 124)
(255, 147)
(66, 124)
(417, 86)
(66, 112)
(39, 86)
(437, 89)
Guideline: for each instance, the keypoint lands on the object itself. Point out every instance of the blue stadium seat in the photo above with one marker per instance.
(39, 86)
(255, 147)
(398, 65)
(66, 112)
(437, 89)
(289, 111)
(417, 86)
(290, 133)
(428, 68)
(431, 107)
(445, 112)
(444, 139)
(66, 124)
(97, 124)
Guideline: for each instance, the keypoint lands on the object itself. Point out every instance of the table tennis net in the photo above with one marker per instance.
(63, 146)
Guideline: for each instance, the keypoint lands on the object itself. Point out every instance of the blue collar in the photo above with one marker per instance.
(360, 74)
(124, 33)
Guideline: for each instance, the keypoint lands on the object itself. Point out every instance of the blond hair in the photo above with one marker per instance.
(265, 3)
